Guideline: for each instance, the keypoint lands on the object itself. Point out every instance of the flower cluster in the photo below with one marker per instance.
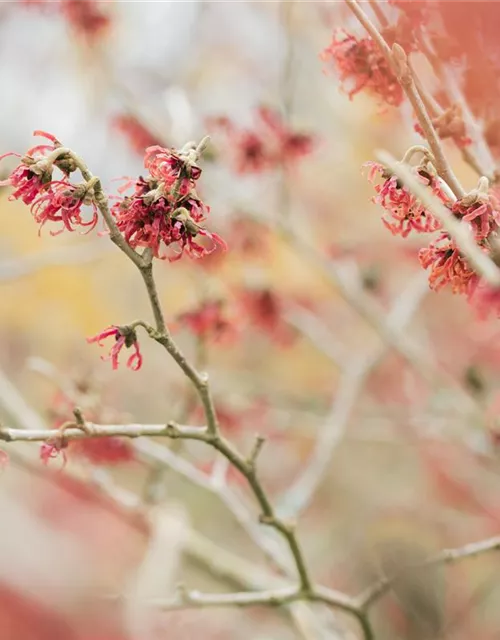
(479, 209)
(403, 210)
(361, 66)
(269, 145)
(52, 200)
(164, 208)
(125, 337)
(448, 266)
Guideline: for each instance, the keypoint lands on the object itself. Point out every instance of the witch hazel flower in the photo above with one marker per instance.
(164, 209)
(63, 203)
(448, 266)
(125, 337)
(52, 200)
(481, 209)
(404, 212)
(360, 66)
(34, 173)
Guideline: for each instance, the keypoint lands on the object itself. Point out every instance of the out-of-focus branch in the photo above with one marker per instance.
(312, 327)
(458, 231)
(446, 556)
(353, 378)
(14, 404)
(76, 254)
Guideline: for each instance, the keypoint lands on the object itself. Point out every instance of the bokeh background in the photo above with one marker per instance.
(401, 466)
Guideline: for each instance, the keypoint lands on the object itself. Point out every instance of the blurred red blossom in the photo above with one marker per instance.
(263, 309)
(210, 320)
(124, 337)
(486, 300)
(85, 17)
(135, 132)
(270, 145)
(361, 66)
(103, 451)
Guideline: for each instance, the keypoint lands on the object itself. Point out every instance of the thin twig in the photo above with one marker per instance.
(353, 378)
(447, 556)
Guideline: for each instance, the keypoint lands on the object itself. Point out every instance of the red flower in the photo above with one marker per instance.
(269, 145)
(125, 337)
(168, 168)
(263, 309)
(137, 135)
(33, 174)
(62, 201)
(481, 210)
(164, 208)
(210, 320)
(361, 65)
(448, 266)
(404, 210)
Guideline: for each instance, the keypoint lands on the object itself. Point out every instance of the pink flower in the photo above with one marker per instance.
(62, 202)
(404, 211)
(481, 210)
(124, 337)
(169, 169)
(361, 65)
(148, 218)
(86, 17)
(32, 175)
(448, 266)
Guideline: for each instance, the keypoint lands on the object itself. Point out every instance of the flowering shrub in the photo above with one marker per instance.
(281, 385)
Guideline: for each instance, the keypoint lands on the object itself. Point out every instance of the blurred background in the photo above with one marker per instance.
(377, 397)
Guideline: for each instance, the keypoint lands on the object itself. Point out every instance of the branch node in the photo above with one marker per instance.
(254, 453)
